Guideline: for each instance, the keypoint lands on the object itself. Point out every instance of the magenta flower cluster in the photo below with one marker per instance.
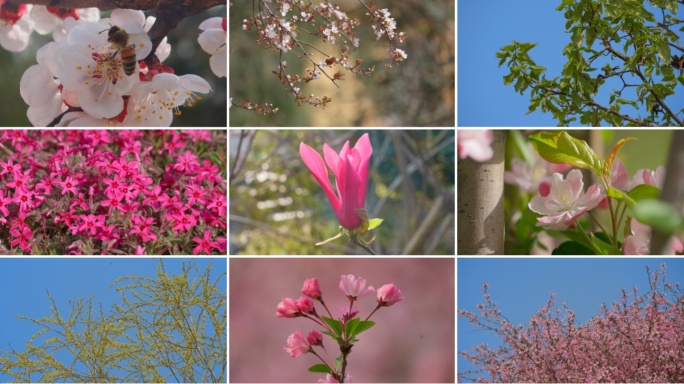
(343, 330)
(111, 192)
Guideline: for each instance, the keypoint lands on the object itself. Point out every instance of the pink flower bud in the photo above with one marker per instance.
(297, 344)
(305, 305)
(287, 308)
(389, 294)
(354, 287)
(315, 338)
(311, 288)
(346, 316)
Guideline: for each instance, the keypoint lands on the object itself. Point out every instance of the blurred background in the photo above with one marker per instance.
(417, 92)
(277, 207)
(412, 341)
(187, 57)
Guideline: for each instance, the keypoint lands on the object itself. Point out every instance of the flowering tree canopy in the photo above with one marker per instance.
(637, 339)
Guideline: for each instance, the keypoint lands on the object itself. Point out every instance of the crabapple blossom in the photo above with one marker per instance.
(15, 26)
(639, 241)
(311, 288)
(476, 143)
(213, 41)
(565, 202)
(315, 338)
(354, 287)
(305, 305)
(535, 178)
(287, 308)
(389, 294)
(297, 344)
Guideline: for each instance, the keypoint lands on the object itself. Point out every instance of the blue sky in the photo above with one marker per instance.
(486, 26)
(23, 282)
(521, 287)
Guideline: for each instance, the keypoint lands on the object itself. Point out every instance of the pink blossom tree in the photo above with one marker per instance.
(639, 338)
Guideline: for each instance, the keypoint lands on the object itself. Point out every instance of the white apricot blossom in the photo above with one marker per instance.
(213, 42)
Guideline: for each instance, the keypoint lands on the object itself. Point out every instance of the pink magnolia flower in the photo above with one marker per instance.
(389, 294)
(476, 143)
(639, 242)
(315, 338)
(350, 168)
(287, 308)
(297, 344)
(354, 287)
(565, 202)
(311, 288)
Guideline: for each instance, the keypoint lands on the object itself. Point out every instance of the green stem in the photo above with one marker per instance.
(598, 223)
(613, 220)
(598, 252)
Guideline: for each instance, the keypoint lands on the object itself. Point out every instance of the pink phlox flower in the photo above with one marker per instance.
(205, 244)
(186, 163)
(287, 308)
(21, 180)
(126, 169)
(142, 181)
(175, 143)
(69, 185)
(141, 227)
(199, 135)
(113, 202)
(354, 287)
(8, 167)
(312, 289)
(173, 211)
(4, 201)
(639, 242)
(91, 223)
(476, 143)
(565, 202)
(173, 201)
(222, 242)
(297, 344)
(389, 294)
(219, 203)
(208, 171)
(67, 217)
(152, 198)
(139, 250)
(130, 192)
(79, 202)
(22, 235)
(350, 168)
(183, 222)
(114, 186)
(48, 182)
(108, 233)
(195, 193)
(106, 166)
(96, 137)
(24, 199)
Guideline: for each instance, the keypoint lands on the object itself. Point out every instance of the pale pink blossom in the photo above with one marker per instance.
(647, 176)
(311, 288)
(535, 178)
(331, 379)
(297, 344)
(354, 287)
(476, 143)
(389, 294)
(565, 202)
(639, 242)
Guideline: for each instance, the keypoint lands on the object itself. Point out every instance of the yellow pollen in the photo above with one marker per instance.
(78, 67)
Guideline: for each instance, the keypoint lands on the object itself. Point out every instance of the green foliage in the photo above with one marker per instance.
(563, 148)
(634, 52)
(172, 328)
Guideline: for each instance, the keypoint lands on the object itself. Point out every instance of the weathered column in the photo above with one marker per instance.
(480, 202)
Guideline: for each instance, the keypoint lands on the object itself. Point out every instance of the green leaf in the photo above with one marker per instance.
(374, 223)
(363, 326)
(350, 327)
(320, 368)
(336, 325)
(644, 191)
(563, 148)
(657, 214)
(572, 248)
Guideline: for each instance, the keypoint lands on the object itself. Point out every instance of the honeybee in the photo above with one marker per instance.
(118, 37)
